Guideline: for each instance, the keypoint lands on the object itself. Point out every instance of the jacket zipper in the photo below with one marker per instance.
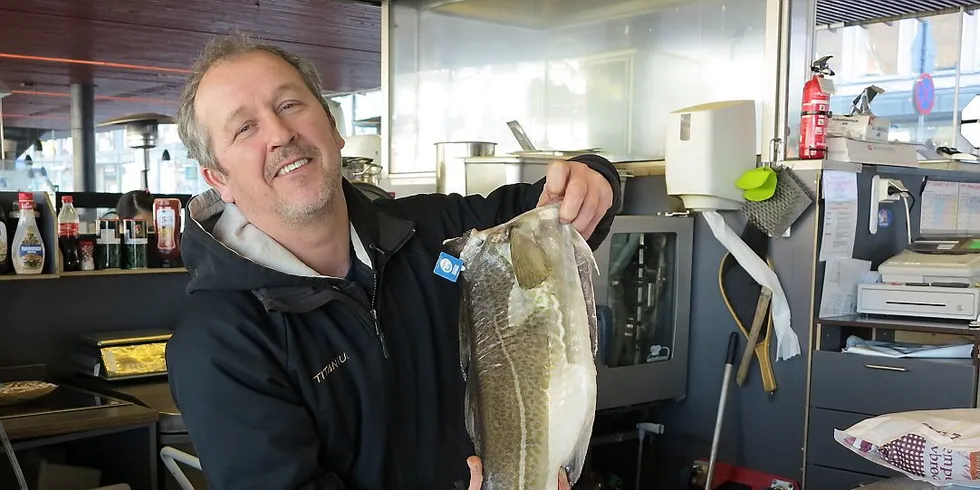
(390, 446)
(374, 317)
(374, 292)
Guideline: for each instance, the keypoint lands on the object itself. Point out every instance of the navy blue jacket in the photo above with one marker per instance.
(299, 382)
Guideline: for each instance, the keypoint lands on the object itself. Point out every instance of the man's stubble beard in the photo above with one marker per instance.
(295, 215)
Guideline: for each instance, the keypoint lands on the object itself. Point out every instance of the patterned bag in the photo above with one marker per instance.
(941, 447)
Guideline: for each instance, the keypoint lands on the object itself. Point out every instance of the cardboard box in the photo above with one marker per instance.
(868, 128)
(871, 152)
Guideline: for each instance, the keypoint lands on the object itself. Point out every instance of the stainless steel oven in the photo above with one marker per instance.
(643, 298)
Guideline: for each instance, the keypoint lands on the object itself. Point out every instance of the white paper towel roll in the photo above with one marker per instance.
(787, 343)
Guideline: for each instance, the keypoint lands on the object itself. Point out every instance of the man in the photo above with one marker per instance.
(317, 349)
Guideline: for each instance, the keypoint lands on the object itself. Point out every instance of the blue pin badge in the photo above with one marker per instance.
(448, 267)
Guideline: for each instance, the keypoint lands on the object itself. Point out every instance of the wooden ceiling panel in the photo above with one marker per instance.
(335, 23)
(161, 39)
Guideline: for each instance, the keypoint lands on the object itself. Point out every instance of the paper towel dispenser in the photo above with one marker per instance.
(709, 146)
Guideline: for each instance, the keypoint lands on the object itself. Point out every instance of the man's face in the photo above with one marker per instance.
(277, 147)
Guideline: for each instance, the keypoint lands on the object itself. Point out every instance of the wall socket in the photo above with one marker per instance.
(879, 194)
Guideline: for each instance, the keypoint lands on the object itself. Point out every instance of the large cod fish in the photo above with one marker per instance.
(527, 348)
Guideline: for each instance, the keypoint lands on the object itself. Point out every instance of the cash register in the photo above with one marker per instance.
(932, 278)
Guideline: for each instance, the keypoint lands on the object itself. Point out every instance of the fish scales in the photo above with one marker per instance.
(527, 346)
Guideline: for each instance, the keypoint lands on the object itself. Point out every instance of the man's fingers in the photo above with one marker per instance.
(476, 472)
(589, 208)
(605, 202)
(563, 480)
(575, 193)
(556, 179)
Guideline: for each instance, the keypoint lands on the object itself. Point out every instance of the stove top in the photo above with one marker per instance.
(62, 399)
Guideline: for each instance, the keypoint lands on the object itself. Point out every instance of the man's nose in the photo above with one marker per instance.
(280, 133)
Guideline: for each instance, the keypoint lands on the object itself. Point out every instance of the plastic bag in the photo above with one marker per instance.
(941, 447)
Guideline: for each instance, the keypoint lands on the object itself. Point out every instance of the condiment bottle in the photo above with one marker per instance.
(166, 217)
(4, 244)
(68, 240)
(27, 250)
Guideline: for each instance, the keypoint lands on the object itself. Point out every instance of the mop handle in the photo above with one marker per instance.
(729, 361)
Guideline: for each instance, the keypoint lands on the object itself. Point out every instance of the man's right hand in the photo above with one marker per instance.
(476, 475)
(476, 472)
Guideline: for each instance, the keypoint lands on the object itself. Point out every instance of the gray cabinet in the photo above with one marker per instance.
(848, 388)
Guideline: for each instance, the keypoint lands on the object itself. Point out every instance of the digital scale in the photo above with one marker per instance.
(933, 278)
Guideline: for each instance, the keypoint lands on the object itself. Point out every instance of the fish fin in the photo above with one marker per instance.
(576, 461)
(472, 416)
(531, 265)
(466, 367)
(464, 344)
(585, 260)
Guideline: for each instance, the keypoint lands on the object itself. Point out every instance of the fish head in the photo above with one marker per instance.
(523, 242)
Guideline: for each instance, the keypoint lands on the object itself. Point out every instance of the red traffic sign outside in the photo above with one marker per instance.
(924, 94)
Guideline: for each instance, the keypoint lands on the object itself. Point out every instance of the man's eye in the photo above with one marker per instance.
(244, 128)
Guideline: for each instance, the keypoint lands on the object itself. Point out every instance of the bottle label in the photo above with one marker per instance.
(166, 218)
(108, 236)
(3, 243)
(31, 251)
(166, 223)
(67, 229)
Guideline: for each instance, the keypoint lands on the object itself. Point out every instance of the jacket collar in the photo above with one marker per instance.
(381, 233)
(226, 252)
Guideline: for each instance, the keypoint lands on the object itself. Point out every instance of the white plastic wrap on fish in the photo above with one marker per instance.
(527, 346)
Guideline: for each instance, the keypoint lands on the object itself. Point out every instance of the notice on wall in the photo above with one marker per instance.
(840, 214)
(938, 213)
(968, 208)
(840, 281)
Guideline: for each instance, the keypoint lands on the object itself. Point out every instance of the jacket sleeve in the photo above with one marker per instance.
(509, 201)
(246, 424)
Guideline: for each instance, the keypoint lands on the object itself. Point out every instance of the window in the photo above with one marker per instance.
(586, 75)
(895, 56)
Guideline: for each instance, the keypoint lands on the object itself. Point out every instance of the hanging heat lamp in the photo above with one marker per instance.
(142, 132)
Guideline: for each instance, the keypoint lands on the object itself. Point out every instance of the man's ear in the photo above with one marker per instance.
(338, 138)
(217, 179)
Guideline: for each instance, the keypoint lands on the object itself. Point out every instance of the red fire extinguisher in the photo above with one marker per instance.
(816, 111)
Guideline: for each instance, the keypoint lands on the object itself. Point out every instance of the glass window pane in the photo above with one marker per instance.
(582, 75)
(905, 58)
(641, 297)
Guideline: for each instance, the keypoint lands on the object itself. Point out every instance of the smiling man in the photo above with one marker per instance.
(317, 349)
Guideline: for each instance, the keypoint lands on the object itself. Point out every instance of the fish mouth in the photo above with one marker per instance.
(292, 166)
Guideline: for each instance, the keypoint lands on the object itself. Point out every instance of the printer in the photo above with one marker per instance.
(932, 278)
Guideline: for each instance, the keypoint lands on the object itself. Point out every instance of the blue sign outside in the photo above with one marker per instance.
(924, 94)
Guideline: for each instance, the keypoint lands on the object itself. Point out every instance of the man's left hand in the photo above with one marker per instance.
(585, 194)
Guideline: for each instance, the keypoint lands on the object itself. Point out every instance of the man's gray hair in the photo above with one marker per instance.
(192, 133)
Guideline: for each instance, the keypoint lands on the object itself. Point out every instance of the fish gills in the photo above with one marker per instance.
(527, 347)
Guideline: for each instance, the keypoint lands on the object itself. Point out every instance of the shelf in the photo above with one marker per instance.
(901, 323)
(108, 272)
(27, 277)
(125, 272)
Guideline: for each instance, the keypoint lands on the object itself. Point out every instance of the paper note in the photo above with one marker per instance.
(968, 208)
(840, 214)
(839, 186)
(938, 212)
(840, 280)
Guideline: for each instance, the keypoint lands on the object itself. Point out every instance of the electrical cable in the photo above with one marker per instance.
(908, 218)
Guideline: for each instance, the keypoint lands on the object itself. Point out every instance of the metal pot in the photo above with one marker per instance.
(450, 168)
